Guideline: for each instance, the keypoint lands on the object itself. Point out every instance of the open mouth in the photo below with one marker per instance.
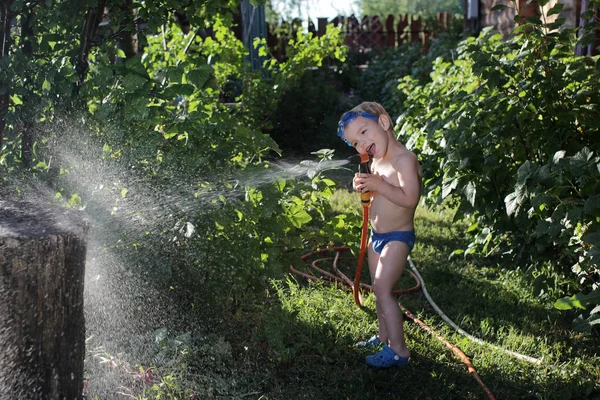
(370, 148)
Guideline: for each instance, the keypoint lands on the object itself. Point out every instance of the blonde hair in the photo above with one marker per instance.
(376, 109)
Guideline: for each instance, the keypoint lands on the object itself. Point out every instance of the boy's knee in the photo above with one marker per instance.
(381, 291)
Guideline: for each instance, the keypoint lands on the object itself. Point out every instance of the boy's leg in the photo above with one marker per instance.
(388, 271)
(373, 262)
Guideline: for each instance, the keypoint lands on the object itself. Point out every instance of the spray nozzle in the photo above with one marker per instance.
(359, 159)
(363, 160)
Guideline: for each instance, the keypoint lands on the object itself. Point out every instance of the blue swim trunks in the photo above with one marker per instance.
(379, 240)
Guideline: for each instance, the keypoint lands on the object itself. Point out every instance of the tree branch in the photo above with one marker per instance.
(89, 29)
(5, 18)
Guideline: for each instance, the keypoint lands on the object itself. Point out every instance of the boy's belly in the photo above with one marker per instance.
(385, 216)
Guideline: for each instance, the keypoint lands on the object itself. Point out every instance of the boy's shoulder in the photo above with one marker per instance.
(406, 162)
(404, 155)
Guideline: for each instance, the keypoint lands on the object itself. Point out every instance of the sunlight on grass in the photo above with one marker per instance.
(316, 325)
(344, 201)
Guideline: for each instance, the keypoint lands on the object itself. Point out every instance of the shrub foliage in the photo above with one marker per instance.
(509, 132)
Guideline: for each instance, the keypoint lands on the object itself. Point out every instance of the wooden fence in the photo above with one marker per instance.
(366, 33)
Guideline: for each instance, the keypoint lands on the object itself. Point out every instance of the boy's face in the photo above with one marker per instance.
(366, 136)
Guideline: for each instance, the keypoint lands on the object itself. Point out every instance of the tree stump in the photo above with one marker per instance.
(42, 327)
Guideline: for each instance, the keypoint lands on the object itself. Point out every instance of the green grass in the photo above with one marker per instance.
(311, 328)
(297, 341)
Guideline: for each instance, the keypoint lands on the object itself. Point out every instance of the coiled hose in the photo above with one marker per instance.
(356, 287)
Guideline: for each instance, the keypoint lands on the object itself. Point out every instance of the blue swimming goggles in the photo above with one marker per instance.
(349, 117)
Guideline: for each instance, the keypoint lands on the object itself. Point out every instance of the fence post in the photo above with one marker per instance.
(253, 26)
(401, 33)
(390, 39)
(321, 26)
(415, 30)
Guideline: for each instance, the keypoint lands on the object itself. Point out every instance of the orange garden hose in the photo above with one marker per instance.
(339, 276)
(361, 255)
(357, 286)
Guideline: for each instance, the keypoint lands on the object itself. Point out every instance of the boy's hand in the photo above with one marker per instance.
(365, 182)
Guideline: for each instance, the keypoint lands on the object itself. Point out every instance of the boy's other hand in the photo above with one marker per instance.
(364, 182)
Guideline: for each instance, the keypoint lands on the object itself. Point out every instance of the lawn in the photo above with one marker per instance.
(304, 344)
(296, 340)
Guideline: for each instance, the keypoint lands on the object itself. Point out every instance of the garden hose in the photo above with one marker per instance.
(363, 160)
(441, 313)
(356, 287)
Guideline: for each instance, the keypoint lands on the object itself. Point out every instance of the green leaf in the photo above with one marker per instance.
(524, 172)
(557, 24)
(587, 39)
(589, 14)
(134, 64)
(132, 82)
(16, 100)
(470, 193)
(535, 20)
(514, 200)
(199, 76)
(592, 238)
(473, 227)
(585, 325)
(498, 7)
(580, 324)
(176, 90)
(448, 187)
(556, 9)
(298, 216)
(137, 109)
(174, 75)
(592, 205)
(558, 156)
(578, 300)
(583, 155)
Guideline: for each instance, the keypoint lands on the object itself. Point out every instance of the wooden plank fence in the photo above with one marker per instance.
(371, 32)
(364, 34)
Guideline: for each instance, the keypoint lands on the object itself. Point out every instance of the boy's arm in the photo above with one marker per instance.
(408, 193)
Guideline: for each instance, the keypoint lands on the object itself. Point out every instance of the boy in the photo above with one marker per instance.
(395, 187)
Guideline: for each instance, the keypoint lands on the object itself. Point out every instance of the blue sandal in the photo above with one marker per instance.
(370, 344)
(386, 358)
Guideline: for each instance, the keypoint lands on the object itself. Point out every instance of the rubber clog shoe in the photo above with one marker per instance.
(372, 343)
(386, 358)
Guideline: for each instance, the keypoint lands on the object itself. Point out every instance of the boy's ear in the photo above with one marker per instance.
(385, 122)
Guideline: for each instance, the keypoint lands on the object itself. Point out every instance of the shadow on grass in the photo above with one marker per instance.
(310, 361)
(317, 361)
(466, 296)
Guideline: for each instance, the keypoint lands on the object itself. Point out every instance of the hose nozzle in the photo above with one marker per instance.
(363, 161)
(359, 159)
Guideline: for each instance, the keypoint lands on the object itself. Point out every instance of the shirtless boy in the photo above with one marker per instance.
(395, 187)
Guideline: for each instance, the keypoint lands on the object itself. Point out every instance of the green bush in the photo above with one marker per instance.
(388, 66)
(509, 131)
(175, 178)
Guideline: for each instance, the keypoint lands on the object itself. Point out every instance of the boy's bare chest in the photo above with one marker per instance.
(389, 174)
